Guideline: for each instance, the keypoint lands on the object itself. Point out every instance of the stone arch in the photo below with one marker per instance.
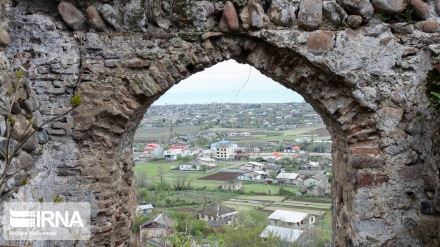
(362, 75)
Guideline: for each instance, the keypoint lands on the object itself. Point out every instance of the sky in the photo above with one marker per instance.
(227, 82)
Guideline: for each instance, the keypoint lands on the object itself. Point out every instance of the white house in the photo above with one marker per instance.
(253, 176)
(252, 166)
(285, 234)
(287, 178)
(291, 219)
(172, 154)
(144, 209)
(209, 162)
(192, 165)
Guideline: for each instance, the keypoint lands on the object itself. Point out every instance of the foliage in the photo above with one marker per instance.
(57, 198)
(143, 195)
(433, 86)
(285, 192)
(138, 220)
(407, 15)
(246, 230)
(76, 100)
(186, 223)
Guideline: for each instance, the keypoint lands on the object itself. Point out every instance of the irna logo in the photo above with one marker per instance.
(45, 218)
(46, 221)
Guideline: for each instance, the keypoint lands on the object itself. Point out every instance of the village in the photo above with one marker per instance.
(198, 188)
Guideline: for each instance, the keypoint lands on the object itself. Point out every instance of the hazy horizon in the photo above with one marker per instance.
(227, 82)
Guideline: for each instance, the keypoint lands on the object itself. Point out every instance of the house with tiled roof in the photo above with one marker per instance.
(216, 212)
(158, 227)
(291, 219)
(153, 150)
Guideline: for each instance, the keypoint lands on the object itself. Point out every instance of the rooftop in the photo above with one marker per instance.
(286, 234)
(217, 210)
(288, 216)
(284, 175)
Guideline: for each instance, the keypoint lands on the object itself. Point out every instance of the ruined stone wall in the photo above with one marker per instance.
(362, 65)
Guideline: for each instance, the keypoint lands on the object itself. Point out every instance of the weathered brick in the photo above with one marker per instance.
(365, 161)
(366, 179)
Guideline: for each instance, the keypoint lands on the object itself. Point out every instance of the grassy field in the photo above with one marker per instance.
(262, 198)
(310, 211)
(263, 188)
(239, 206)
(306, 204)
(159, 133)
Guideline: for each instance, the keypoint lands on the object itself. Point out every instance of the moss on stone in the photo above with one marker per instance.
(433, 86)
(407, 15)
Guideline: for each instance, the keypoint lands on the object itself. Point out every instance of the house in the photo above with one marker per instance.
(287, 178)
(190, 152)
(192, 165)
(285, 234)
(244, 134)
(210, 163)
(158, 227)
(144, 209)
(274, 168)
(232, 185)
(153, 150)
(217, 212)
(291, 219)
(204, 153)
(292, 149)
(313, 164)
(172, 154)
(223, 149)
(244, 177)
(256, 175)
(252, 166)
(310, 181)
(304, 174)
(241, 155)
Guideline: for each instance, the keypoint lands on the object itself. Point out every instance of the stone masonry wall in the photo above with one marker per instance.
(363, 65)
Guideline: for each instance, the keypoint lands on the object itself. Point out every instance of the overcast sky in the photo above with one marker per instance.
(226, 83)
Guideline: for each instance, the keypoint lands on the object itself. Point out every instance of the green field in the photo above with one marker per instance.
(152, 170)
(299, 209)
(160, 133)
(262, 198)
(264, 188)
(305, 204)
(240, 206)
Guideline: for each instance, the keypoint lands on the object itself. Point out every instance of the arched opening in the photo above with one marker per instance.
(365, 81)
(138, 88)
(220, 146)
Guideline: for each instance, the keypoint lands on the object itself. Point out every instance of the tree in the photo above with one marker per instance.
(246, 230)
(141, 179)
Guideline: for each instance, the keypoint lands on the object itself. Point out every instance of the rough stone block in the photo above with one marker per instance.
(390, 7)
(320, 42)
(310, 14)
(358, 7)
(71, 16)
(5, 39)
(282, 12)
(428, 26)
(365, 179)
(229, 21)
(365, 161)
(420, 8)
(94, 19)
